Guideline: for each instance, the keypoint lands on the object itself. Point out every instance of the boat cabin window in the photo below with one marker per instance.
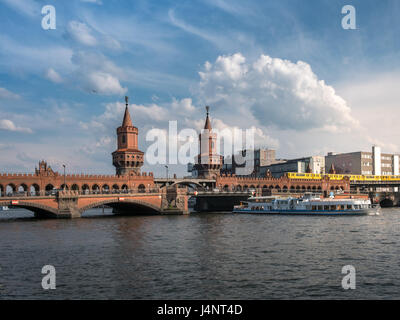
(342, 207)
(333, 207)
(349, 207)
(319, 207)
(314, 207)
(326, 207)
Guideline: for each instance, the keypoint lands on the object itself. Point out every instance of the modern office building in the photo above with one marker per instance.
(249, 162)
(312, 164)
(364, 163)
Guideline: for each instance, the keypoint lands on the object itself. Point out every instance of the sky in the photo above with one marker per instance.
(286, 68)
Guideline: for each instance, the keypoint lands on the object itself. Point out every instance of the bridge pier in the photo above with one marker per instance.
(174, 201)
(68, 205)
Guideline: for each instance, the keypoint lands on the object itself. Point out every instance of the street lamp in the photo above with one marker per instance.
(64, 176)
(166, 167)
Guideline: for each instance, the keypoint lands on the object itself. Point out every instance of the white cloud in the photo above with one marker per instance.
(6, 94)
(8, 125)
(93, 1)
(277, 92)
(26, 7)
(53, 76)
(375, 99)
(184, 106)
(81, 33)
(17, 57)
(97, 74)
(104, 83)
(216, 40)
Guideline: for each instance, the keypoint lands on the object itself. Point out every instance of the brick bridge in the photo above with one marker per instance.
(71, 204)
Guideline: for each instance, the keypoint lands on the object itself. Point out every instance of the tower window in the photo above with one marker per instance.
(123, 139)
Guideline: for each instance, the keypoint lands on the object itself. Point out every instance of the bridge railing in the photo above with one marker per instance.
(54, 192)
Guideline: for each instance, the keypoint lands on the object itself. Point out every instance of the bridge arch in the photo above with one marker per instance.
(49, 187)
(10, 188)
(188, 183)
(22, 188)
(1, 190)
(34, 189)
(75, 187)
(40, 210)
(125, 206)
(85, 189)
(142, 188)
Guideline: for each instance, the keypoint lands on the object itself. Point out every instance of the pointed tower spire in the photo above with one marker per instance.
(332, 169)
(208, 122)
(127, 117)
(308, 170)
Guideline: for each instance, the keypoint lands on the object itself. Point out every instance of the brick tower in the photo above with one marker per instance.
(127, 159)
(208, 164)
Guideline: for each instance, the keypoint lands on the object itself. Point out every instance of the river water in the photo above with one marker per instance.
(200, 256)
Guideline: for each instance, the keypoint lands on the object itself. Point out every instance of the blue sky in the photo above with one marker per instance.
(61, 91)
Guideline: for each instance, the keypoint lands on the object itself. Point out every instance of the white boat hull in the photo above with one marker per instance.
(362, 212)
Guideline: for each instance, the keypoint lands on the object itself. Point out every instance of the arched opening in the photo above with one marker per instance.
(332, 188)
(96, 188)
(319, 189)
(308, 188)
(314, 188)
(49, 189)
(303, 188)
(34, 190)
(245, 187)
(105, 188)
(292, 189)
(23, 188)
(252, 187)
(278, 188)
(141, 188)
(1, 191)
(127, 207)
(115, 188)
(75, 187)
(11, 189)
(284, 189)
(238, 187)
(124, 188)
(226, 187)
(85, 189)
(64, 187)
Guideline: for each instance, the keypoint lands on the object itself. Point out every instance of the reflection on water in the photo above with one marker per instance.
(211, 256)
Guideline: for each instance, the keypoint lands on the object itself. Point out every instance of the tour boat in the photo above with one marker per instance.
(309, 204)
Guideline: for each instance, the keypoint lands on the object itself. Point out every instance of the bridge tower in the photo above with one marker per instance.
(208, 163)
(127, 159)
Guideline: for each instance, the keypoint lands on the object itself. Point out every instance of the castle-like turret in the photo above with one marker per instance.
(209, 163)
(127, 159)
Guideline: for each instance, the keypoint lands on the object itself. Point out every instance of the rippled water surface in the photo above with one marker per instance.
(200, 256)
